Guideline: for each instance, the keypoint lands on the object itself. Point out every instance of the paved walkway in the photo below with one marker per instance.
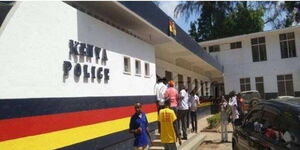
(213, 139)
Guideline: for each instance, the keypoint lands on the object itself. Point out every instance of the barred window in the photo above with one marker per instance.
(259, 52)
(287, 45)
(245, 84)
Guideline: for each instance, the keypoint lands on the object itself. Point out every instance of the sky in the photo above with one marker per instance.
(169, 6)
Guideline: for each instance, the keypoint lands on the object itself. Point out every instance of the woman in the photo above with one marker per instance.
(233, 104)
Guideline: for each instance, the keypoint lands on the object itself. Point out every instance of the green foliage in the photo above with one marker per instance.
(219, 19)
(214, 121)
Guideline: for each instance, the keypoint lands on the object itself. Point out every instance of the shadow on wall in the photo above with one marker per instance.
(93, 31)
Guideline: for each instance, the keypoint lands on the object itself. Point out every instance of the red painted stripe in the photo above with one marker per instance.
(27, 126)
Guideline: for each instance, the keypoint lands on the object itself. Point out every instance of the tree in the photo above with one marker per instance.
(218, 19)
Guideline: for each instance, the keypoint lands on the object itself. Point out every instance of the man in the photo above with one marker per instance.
(183, 109)
(171, 94)
(160, 90)
(194, 102)
(169, 134)
(139, 127)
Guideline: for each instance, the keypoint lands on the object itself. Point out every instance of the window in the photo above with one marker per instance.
(137, 67)
(147, 70)
(127, 65)
(259, 82)
(236, 45)
(287, 45)
(214, 48)
(180, 81)
(285, 85)
(259, 52)
(168, 76)
(245, 84)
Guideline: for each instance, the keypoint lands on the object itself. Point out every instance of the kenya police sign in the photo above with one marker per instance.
(83, 54)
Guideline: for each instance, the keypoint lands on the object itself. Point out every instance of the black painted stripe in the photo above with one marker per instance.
(16, 108)
(105, 141)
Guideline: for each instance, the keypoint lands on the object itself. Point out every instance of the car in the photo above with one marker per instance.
(285, 97)
(271, 125)
(249, 99)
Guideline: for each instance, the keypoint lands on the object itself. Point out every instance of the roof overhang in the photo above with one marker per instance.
(138, 19)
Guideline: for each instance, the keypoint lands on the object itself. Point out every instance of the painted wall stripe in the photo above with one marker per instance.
(106, 141)
(21, 127)
(17, 108)
(62, 138)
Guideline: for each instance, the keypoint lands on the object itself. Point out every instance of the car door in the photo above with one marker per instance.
(269, 133)
(246, 135)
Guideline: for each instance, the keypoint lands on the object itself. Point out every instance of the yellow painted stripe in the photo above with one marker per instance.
(204, 104)
(62, 138)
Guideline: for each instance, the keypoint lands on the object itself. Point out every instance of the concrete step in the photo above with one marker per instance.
(156, 135)
(193, 142)
(156, 142)
(156, 148)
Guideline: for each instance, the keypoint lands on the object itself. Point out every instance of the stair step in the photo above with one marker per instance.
(156, 148)
(156, 142)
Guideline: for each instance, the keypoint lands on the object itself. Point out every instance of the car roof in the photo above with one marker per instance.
(290, 104)
(251, 91)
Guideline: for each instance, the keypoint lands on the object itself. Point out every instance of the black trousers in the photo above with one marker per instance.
(194, 121)
(182, 115)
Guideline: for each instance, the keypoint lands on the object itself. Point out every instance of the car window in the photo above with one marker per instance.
(289, 130)
(253, 117)
(270, 124)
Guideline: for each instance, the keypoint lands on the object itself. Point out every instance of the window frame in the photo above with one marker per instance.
(235, 45)
(147, 69)
(284, 80)
(260, 44)
(214, 48)
(286, 41)
(129, 65)
(262, 93)
(244, 84)
(138, 68)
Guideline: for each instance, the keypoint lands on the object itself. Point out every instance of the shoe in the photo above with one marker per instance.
(184, 138)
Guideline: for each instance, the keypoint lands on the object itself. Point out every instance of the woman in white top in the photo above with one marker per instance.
(233, 104)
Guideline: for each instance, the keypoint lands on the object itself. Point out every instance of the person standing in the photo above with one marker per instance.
(160, 90)
(194, 102)
(233, 104)
(183, 108)
(169, 133)
(224, 120)
(139, 127)
(171, 94)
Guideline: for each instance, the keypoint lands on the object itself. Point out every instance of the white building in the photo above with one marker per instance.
(265, 61)
(71, 71)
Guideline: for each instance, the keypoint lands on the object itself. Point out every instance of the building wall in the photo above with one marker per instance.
(43, 109)
(162, 66)
(238, 62)
(36, 44)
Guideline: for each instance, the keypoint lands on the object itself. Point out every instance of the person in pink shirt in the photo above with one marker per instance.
(171, 94)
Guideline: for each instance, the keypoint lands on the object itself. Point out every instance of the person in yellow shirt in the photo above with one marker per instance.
(168, 130)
